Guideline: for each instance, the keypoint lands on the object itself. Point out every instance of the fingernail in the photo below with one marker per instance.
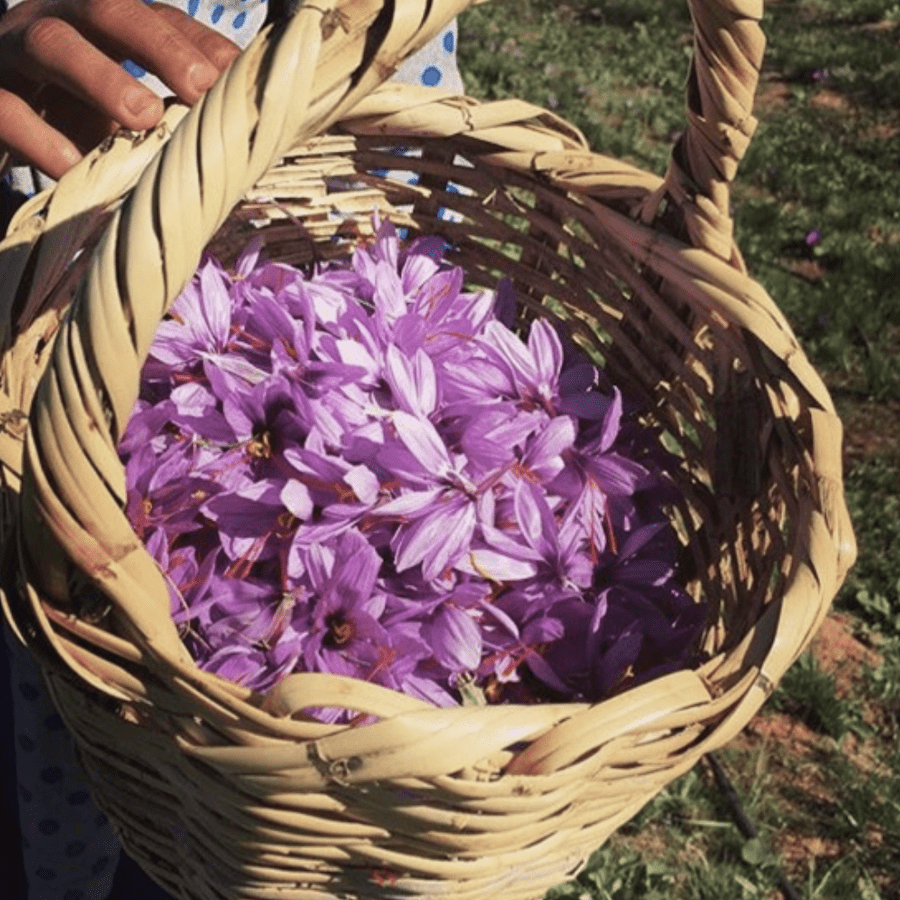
(139, 101)
(70, 154)
(203, 76)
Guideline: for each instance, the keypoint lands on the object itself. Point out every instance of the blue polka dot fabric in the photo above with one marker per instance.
(435, 64)
(69, 849)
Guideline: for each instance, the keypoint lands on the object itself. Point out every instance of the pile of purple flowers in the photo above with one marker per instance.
(368, 472)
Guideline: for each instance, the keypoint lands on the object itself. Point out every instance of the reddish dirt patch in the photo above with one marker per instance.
(804, 848)
(846, 659)
(871, 429)
(791, 774)
(807, 269)
(842, 656)
(798, 762)
(826, 99)
(886, 132)
(772, 94)
(880, 27)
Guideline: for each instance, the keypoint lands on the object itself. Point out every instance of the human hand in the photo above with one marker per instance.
(62, 88)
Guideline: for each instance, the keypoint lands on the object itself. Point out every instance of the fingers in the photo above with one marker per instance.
(84, 125)
(74, 48)
(28, 137)
(184, 54)
(215, 47)
(59, 54)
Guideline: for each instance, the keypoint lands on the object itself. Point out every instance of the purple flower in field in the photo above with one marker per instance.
(813, 237)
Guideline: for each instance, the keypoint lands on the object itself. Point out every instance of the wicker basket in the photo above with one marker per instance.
(221, 793)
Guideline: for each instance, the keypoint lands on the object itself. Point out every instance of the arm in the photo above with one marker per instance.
(62, 88)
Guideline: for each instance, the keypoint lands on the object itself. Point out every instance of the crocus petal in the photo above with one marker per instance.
(418, 269)
(435, 540)
(295, 496)
(412, 380)
(456, 639)
(506, 304)
(495, 566)
(544, 455)
(409, 504)
(458, 527)
(578, 379)
(508, 545)
(214, 308)
(611, 422)
(617, 474)
(364, 483)
(547, 352)
(422, 440)
(249, 258)
(542, 669)
(507, 349)
(527, 501)
(356, 566)
(592, 407)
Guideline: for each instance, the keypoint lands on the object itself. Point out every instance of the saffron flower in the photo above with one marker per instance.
(372, 472)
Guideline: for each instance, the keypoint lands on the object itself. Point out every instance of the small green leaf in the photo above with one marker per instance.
(750, 889)
(867, 890)
(756, 853)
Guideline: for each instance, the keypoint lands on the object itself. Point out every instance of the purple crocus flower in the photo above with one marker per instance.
(258, 520)
(266, 419)
(199, 322)
(159, 481)
(345, 635)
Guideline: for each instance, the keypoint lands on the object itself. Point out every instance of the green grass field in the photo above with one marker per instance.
(817, 210)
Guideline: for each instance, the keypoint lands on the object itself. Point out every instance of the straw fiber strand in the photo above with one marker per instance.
(224, 794)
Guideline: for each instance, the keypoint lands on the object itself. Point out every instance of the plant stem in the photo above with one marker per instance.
(745, 826)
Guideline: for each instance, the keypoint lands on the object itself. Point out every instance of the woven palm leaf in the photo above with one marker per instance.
(219, 792)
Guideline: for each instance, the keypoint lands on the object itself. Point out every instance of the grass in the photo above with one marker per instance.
(817, 213)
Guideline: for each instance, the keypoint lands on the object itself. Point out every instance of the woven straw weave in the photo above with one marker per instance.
(221, 793)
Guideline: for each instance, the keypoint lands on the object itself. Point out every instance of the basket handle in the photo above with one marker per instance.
(728, 50)
(292, 83)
